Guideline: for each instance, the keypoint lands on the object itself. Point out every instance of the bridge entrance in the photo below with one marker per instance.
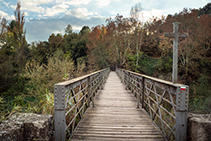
(116, 116)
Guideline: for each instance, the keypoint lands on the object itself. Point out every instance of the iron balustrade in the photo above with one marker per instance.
(72, 98)
(165, 102)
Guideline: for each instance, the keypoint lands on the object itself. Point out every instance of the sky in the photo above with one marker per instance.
(44, 17)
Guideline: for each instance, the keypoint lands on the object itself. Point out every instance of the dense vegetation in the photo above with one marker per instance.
(29, 71)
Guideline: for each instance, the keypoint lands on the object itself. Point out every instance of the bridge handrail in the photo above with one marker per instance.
(165, 102)
(72, 98)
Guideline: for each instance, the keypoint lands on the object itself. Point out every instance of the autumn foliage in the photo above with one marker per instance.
(122, 41)
(28, 71)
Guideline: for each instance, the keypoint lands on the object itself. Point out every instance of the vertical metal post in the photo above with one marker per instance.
(102, 79)
(142, 91)
(90, 93)
(181, 113)
(59, 108)
(89, 89)
(123, 76)
(128, 81)
(139, 94)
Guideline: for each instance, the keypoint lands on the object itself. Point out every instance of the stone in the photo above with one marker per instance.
(27, 126)
(199, 127)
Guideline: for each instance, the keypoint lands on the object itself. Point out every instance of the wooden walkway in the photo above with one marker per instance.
(115, 117)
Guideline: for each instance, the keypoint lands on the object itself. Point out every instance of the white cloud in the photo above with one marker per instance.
(76, 2)
(32, 8)
(136, 1)
(78, 28)
(5, 15)
(149, 14)
(41, 6)
(35, 2)
(26, 13)
(33, 5)
(58, 32)
(6, 3)
(81, 13)
(103, 2)
(56, 10)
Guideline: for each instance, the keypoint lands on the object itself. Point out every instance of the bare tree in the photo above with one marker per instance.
(135, 13)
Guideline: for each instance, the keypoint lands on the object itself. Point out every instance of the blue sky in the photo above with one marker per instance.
(44, 17)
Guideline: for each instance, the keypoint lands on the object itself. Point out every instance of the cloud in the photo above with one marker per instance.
(59, 32)
(6, 3)
(149, 14)
(35, 2)
(6, 16)
(56, 10)
(33, 5)
(103, 2)
(31, 8)
(45, 27)
(77, 2)
(81, 13)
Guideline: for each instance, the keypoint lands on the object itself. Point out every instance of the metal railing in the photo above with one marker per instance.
(165, 102)
(72, 98)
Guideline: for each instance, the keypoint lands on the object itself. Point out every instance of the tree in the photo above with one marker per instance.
(205, 10)
(115, 39)
(84, 30)
(3, 26)
(135, 13)
(68, 29)
(17, 29)
(13, 53)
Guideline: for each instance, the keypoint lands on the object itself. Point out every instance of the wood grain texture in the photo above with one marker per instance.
(115, 117)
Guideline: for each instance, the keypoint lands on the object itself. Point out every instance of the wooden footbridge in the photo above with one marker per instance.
(120, 105)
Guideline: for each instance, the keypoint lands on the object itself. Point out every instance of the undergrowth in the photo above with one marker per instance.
(37, 95)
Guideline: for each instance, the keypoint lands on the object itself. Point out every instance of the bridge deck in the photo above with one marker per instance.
(115, 116)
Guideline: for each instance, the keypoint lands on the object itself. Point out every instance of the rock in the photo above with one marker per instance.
(199, 127)
(27, 126)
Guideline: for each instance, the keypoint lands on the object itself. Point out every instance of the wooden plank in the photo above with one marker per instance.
(115, 117)
(112, 139)
(114, 135)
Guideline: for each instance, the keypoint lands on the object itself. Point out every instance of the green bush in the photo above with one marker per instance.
(200, 98)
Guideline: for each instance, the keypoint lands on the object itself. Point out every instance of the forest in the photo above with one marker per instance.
(28, 72)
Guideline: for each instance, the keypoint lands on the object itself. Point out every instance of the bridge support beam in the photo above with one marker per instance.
(59, 109)
(181, 113)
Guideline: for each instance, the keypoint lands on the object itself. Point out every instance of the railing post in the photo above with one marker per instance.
(181, 113)
(59, 108)
(128, 80)
(90, 91)
(92, 94)
(123, 76)
(142, 91)
(103, 77)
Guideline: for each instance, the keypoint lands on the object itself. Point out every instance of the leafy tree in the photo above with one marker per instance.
(14, 53)
(68, 29)
(205, 10)
(84, 30)
(17, 29)
(3, 26)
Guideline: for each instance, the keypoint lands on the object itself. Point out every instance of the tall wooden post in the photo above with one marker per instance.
(176, 36)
